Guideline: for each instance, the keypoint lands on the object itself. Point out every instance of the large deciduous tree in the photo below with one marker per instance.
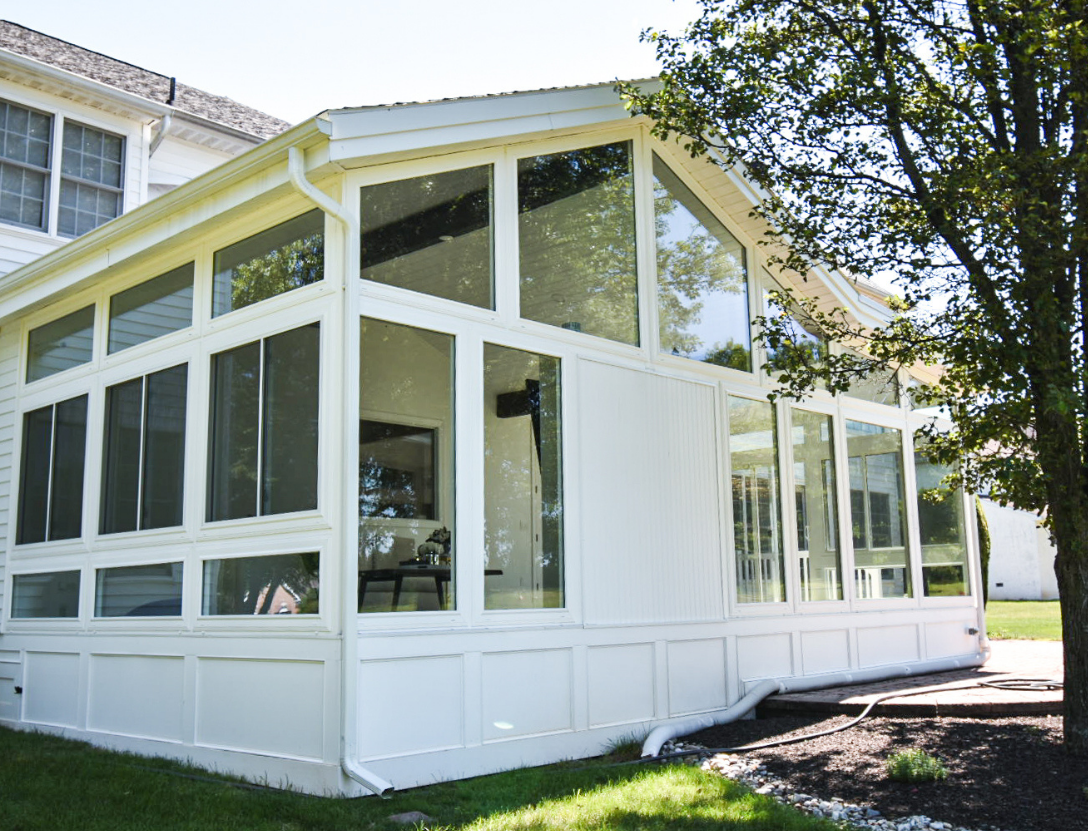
(942, 144)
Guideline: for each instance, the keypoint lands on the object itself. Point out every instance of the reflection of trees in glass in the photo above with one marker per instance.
(254, 585)
(702, 281)
(577, 241)
(285, 257)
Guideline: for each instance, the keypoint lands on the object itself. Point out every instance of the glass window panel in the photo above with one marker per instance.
(164, 448)
(289, 435)
(34, 482)
(879, 387)
(55, 594)
(60, 344)
(232, 451)
(69, 450)
(121, 462)
(139, 591)
(941, 526)
(282, 258)
(757, 512)
(407, 549)
(157, 307)
(702, 279)
(431, 234)
(576, 228)
(802, 332)
(24, 165)
(878, 517)
(814, 492)
(283, 584)
(523, 480)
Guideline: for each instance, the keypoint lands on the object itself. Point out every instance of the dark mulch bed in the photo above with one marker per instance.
(1008, 773)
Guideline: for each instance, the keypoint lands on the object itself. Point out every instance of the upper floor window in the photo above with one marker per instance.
(90, 172)
(287, 256)
(431, 234)
(702, 279)
(576, 227)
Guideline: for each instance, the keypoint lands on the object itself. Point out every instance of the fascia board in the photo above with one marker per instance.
(237, 182)
(360, 134)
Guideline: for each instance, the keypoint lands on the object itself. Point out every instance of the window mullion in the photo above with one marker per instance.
(261, 366)
(52, 469)
(145, 389)
(55, 150)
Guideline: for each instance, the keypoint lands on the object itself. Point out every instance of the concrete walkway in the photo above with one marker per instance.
(955, 693)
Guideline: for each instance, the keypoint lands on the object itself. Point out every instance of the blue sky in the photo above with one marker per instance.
(293, 60)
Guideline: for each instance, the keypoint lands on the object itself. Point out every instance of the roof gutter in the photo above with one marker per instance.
(349, 633)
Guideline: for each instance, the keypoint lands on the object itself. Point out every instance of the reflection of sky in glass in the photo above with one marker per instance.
(702, 279)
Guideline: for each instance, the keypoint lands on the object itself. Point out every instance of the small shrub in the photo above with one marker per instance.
(915, 766)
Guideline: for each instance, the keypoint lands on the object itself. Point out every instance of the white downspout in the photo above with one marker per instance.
(773, 686)
(164, 128)
(349, 636)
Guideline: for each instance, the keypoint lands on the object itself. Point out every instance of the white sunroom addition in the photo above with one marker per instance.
(431, 440)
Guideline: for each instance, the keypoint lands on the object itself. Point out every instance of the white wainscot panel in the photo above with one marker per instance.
(137, 695)
(825, 651)
(526, 693)
(764, 656)
(274, 707)
(696, 676)
(52, 688)
(11, 675)
(410, 706)
(944, 640)
(650, 514)
(887, 645)
(621, 684)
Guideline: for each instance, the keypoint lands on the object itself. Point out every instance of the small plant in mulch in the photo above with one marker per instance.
(915, 766)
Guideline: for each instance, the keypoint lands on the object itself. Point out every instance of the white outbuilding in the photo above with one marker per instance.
(430, 440)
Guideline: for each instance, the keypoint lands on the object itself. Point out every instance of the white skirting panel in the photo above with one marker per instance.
(764, 656)
(944, 640)
(11, 676)
(887, 645)
(825, 651)
(411, 705)
(261, 706)
(527, 693)
(650, 501)
(51, 688)
(697, 676)
(621, 684)
(137, 695)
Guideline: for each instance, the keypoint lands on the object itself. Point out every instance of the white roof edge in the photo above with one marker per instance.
(154, 109)
(261, 156)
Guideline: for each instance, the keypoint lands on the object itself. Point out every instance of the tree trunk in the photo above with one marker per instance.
(1071, 566)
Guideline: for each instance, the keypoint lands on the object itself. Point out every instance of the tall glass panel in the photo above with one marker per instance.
(878, 517)
(163, 478)
(53, 594)
(431, 234)
(702, 279)
(407, 539)
(36, 475)
(817, 515)
(121, 462)
(235, 421)
(69, 452)
(60, 344)
(576, 224)
(941, 526)
(157, 307)
(282, 584)
(290, 412)
(285, 257)
(139, 591)
(757, 512)
(523, 480)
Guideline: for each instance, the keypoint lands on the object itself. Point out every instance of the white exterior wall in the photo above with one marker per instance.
(176, 161)
(1021, 555)
(650, 628)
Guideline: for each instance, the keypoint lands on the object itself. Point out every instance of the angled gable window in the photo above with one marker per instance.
(60, 344)
(285, 257)
(153, 308)
(702, 279)
(431, 234)
(51, 481)
(576, 229)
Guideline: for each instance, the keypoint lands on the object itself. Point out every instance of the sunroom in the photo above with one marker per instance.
(430, 440)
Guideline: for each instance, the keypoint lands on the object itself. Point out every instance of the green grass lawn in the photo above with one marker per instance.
(53, 784)
(1034, 620)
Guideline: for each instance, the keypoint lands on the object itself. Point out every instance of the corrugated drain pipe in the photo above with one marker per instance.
(774, 686)
(296, 171)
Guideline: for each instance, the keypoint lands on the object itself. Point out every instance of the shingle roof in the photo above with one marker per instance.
(135, 80)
